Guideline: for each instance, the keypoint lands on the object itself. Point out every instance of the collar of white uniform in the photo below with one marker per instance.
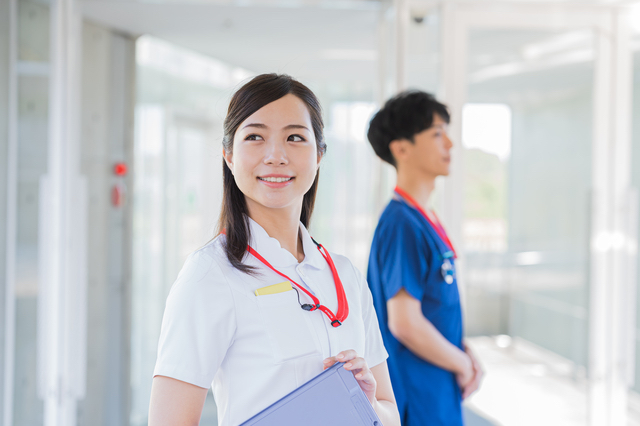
(272, 251)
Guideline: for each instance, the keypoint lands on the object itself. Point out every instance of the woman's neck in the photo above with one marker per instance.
(419, 189)
(281, 224)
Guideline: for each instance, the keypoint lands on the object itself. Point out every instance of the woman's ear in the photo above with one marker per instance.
(228, 158)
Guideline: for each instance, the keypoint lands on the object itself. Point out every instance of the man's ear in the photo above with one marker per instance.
(228, 158)
(399, 149)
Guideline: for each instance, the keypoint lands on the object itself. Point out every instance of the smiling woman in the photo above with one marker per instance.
(230, 321)
(274, 131)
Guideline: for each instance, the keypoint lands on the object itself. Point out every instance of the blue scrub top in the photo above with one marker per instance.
(408, 253)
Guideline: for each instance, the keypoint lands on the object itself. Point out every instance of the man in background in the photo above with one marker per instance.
(412, 268)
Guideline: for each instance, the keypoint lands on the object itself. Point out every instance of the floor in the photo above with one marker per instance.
(525, 385)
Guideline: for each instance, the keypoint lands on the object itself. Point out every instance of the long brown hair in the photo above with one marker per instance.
(260, 91)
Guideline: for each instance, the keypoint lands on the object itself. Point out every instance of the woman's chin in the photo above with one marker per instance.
(278, 204)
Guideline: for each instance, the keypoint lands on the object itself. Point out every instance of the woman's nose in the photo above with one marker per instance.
(276, 154)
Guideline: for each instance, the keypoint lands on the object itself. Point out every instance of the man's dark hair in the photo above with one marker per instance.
(402, 117)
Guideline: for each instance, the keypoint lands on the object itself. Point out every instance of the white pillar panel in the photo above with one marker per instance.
(10, 8)
(108, 93)
(600, 262)
(401, 24)
(453, 93)
(62, 304)
(624, 218)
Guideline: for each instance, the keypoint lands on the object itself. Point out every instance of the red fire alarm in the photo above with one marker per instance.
(120, 169)
(118, 193)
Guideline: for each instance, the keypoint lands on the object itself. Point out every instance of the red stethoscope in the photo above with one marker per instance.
(448, 269)
(343, 306)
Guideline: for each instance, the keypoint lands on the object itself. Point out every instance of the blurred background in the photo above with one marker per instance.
(111, 118)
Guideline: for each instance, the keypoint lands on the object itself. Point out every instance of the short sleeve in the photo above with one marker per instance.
(198, 323)
(375, 352)
(402, 260)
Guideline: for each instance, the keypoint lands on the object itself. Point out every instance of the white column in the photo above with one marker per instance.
(62, 298)
(381, 176)
(401, 28)
(624, 219)
(613, 244)
(600, 262)
(453, 92)
(11, 225)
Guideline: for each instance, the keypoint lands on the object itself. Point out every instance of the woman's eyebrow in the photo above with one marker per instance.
(258, 125)
(296, 126)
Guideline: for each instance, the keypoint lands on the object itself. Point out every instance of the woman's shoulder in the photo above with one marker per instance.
(346, 269)
(204, 268)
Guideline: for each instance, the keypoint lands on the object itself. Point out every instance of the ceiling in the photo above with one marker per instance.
(338, 41)
(321, 41)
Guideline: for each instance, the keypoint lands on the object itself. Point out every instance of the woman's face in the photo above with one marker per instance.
(275, 159)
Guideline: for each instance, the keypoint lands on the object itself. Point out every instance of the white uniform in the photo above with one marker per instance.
(252, 349)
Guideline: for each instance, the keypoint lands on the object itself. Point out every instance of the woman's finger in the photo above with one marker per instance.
(328, 362)
(356, 364)
(365, 376)
(347, 355)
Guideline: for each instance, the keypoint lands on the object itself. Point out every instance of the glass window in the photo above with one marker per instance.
(527, 139)
(32, 129)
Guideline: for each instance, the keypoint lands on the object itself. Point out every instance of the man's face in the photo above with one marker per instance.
(430, 154)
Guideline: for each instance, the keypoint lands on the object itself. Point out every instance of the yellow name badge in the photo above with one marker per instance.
(273, 289)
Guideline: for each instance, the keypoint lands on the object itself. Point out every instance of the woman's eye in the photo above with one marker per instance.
(296, 138)
(253, 138)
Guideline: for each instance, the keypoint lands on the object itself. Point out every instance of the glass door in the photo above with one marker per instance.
(634, 393)
(537, 206)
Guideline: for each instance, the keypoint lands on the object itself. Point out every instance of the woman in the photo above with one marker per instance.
(262, 308)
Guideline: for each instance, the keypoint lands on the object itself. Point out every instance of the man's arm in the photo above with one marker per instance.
(412, 329)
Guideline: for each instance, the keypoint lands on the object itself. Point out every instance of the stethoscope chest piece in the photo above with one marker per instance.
(448, 269)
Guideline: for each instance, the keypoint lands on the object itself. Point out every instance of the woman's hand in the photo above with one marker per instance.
(358, 366)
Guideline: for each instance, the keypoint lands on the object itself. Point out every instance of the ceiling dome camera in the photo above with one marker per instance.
(418, 12)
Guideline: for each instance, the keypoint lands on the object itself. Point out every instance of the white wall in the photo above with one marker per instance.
(108, 93)
(4, 100)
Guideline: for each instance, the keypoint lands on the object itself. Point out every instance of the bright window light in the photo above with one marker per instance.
(487, 127)
(183, 63)
(350, 120)
(634, 18)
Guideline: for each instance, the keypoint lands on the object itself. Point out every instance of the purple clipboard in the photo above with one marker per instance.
(333, 398)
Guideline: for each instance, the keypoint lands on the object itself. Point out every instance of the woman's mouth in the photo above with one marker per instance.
(275, 179)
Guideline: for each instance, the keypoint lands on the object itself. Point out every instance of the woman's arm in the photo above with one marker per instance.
(374, 382)
(385, 404)
(175, 403)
